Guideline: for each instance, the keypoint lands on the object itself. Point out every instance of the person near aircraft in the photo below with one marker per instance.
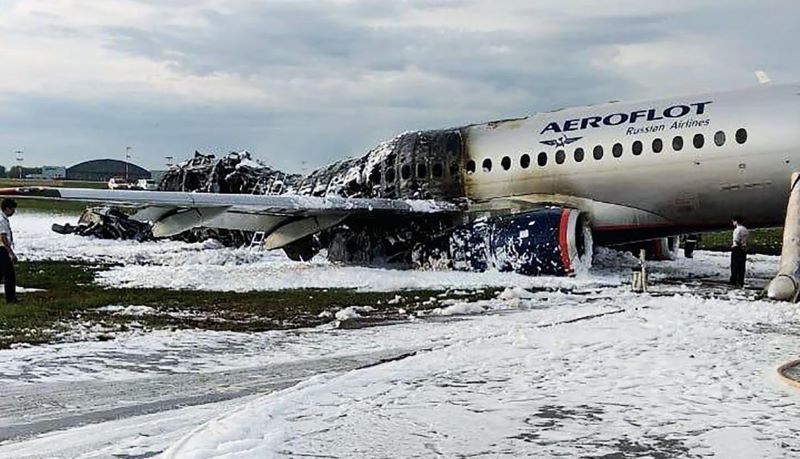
(738, 251)
(7, 255)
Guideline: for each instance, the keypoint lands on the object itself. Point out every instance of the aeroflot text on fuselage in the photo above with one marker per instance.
(616, 119)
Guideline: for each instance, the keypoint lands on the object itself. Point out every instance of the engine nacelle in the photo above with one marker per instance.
(551, 241)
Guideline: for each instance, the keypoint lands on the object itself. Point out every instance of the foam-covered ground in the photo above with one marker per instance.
(590, 371)
(672, 376)
(209, 266)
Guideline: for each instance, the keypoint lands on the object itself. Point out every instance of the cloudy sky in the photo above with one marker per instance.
(300, 83)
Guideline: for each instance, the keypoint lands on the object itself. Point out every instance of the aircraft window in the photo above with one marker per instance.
(578, 155)
(405, 172)
(542, 159)
(719, 138)
(389, 175)
(422, 171)
(598, 152)
(658, 145)
(453, 169)
(616, 150)
(741, 136)
(677, 143)
(453, 145)
(506, 163)
(637, 148)
(375, 175)
(438, 170)
(487, 165)
(699, 141)
(525, 161)
(470, 167)
(560, 157)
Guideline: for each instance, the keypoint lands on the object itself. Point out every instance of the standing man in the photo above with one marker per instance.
(738, 252)
(7, 255)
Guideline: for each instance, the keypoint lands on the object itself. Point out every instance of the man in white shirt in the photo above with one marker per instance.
(738, 252)
(7, 255)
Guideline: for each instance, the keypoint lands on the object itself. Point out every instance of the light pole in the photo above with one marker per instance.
(127, 158)
(19, 162)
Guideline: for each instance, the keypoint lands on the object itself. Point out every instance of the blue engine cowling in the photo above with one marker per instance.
(549, 241)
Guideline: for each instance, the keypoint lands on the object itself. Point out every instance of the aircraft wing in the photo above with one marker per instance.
(283, 218)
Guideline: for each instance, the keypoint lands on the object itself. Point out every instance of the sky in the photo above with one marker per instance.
(302, 83)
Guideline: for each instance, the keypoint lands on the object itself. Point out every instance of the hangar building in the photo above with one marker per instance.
(100, 170)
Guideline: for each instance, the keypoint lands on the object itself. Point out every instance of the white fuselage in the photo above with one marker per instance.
(696, 187)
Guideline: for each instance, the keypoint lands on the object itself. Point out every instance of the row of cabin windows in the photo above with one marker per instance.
(437, 171)
(637, 148)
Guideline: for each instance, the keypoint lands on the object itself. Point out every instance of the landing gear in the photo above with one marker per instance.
(303, 250)
(690, 244)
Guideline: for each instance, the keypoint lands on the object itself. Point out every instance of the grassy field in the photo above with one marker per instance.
(70, 299)
(16, 183)
(765, 240)
(50, 206)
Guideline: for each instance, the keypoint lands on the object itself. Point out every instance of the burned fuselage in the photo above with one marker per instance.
(414, 165)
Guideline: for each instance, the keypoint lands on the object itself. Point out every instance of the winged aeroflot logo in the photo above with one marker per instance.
(561, 141)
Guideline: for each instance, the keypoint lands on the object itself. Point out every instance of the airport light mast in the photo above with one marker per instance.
(19, 161)
(127, 158)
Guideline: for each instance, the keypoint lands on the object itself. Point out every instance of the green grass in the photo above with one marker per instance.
(16, 183)
(30, 205)
(50, 205)
(763, 240)
(71, 297)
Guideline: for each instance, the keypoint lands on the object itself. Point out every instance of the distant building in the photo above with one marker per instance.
(101, 170)
(54, 172)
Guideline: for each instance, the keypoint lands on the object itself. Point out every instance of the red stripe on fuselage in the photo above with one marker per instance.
(562, 241)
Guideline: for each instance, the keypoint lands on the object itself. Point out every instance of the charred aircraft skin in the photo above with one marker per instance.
(414, 165)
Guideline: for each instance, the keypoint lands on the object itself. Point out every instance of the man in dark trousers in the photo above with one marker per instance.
(738, 252)
(7, 255)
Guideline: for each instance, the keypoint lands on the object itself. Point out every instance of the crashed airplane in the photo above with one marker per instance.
(530, 195)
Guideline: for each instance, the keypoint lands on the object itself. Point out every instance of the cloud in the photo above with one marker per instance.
(311, 81)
